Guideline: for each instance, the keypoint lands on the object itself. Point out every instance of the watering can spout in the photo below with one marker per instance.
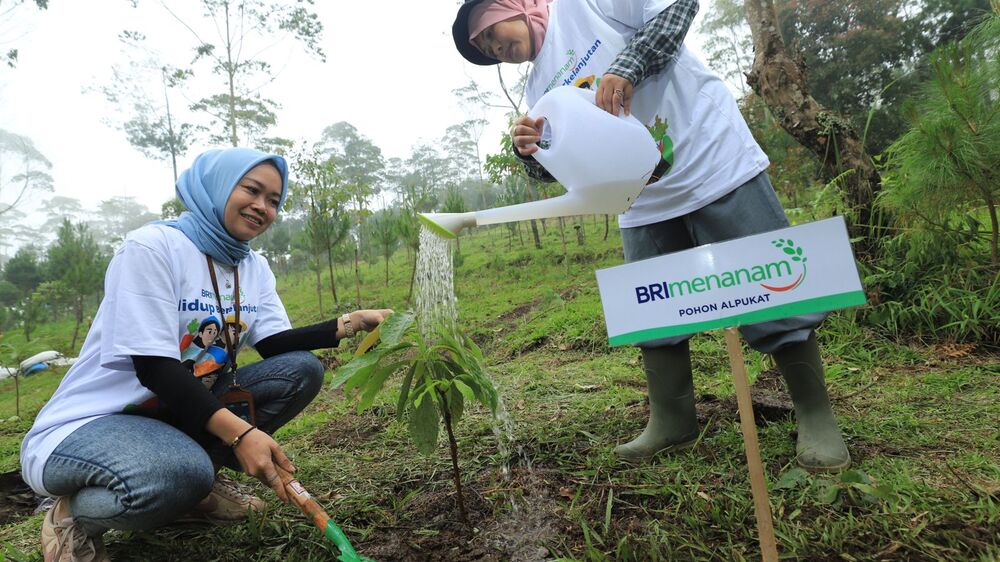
(447, 225)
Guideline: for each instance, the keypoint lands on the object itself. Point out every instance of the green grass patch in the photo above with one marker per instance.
(921, 421)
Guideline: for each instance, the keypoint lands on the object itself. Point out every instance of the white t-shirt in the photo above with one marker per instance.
(687, 108)
(158, 301)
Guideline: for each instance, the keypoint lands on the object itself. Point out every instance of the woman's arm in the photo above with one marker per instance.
(649, 51)
(189, 401)
(306, 338)
(320, 335)
(656, 43)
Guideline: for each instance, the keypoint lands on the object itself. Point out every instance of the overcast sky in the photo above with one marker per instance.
(390, 71)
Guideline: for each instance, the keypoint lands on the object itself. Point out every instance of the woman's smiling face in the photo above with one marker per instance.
(253, 203)
(507, 41)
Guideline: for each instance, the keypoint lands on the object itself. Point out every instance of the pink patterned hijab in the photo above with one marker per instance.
(536, 12)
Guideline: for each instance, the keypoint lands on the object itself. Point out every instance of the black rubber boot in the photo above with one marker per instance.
(672, 424)
(820, 446)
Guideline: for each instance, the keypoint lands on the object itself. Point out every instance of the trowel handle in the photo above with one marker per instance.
(301, 498)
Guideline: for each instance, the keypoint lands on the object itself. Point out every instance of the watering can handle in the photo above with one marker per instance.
(545, 137)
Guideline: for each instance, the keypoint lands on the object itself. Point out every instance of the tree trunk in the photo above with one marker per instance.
(231, 73)
(991, 205)
(456, 474)
(413, 276)
(357, 273)
(779, 79)
(607, 226)
(562, 236)
(79, 320)
(333, 280)
(170, 123)
(581, 235)
(534, 232)
(319, 283)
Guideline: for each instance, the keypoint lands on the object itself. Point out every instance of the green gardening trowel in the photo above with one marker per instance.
(311, 507)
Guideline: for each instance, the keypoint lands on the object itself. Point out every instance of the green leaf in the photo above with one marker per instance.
(456, 403)
(404, 391)
(393, 328)
(881, 492)
(364, 364)
(425, 391)
(488, 393)
(374, 384)
(791, 479)
(828, 492)
(465, 389)
(854, 477)
(424, 426)
(361, 367)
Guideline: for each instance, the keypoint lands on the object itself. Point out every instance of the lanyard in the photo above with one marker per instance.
(231, 355)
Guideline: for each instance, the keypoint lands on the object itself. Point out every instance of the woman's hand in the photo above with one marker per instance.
(526, 131)
(367, 320)
(258, 453)
(614, 92)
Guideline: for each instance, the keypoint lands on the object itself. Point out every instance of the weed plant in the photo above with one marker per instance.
(936, 285)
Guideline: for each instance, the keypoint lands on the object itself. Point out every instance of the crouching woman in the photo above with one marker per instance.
(136, 433)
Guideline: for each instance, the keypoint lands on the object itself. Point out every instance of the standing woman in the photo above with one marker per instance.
(133, 438)
(710, 185)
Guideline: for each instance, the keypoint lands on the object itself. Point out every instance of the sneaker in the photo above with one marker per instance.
(228, 503)
(65, 541)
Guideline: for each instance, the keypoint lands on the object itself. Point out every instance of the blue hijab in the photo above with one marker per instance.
(204, 188)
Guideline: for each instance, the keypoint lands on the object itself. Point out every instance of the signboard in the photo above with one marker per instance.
(797, 270)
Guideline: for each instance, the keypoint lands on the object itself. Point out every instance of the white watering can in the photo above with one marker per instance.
(602, 160)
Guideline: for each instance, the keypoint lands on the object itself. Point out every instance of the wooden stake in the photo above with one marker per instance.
(762, 507)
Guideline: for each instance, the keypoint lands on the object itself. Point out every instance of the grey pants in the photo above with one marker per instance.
(749, 209)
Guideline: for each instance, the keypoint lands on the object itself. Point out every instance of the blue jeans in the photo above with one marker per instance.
(751, 208)
(131, 472)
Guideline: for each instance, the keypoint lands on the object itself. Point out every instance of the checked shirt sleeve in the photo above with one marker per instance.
(656, 43)
(652, 47)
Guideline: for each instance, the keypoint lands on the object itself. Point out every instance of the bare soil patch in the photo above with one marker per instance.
(349, 432)
(514, 519)
(17, 500)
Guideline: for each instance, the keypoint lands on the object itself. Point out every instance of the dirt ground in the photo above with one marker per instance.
(523, 516)
(516, 518)
(16, 498)
(512, 519)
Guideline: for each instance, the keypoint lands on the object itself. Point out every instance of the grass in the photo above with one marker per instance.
(922, 422)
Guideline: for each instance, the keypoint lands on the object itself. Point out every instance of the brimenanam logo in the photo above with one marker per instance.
(773, 276)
